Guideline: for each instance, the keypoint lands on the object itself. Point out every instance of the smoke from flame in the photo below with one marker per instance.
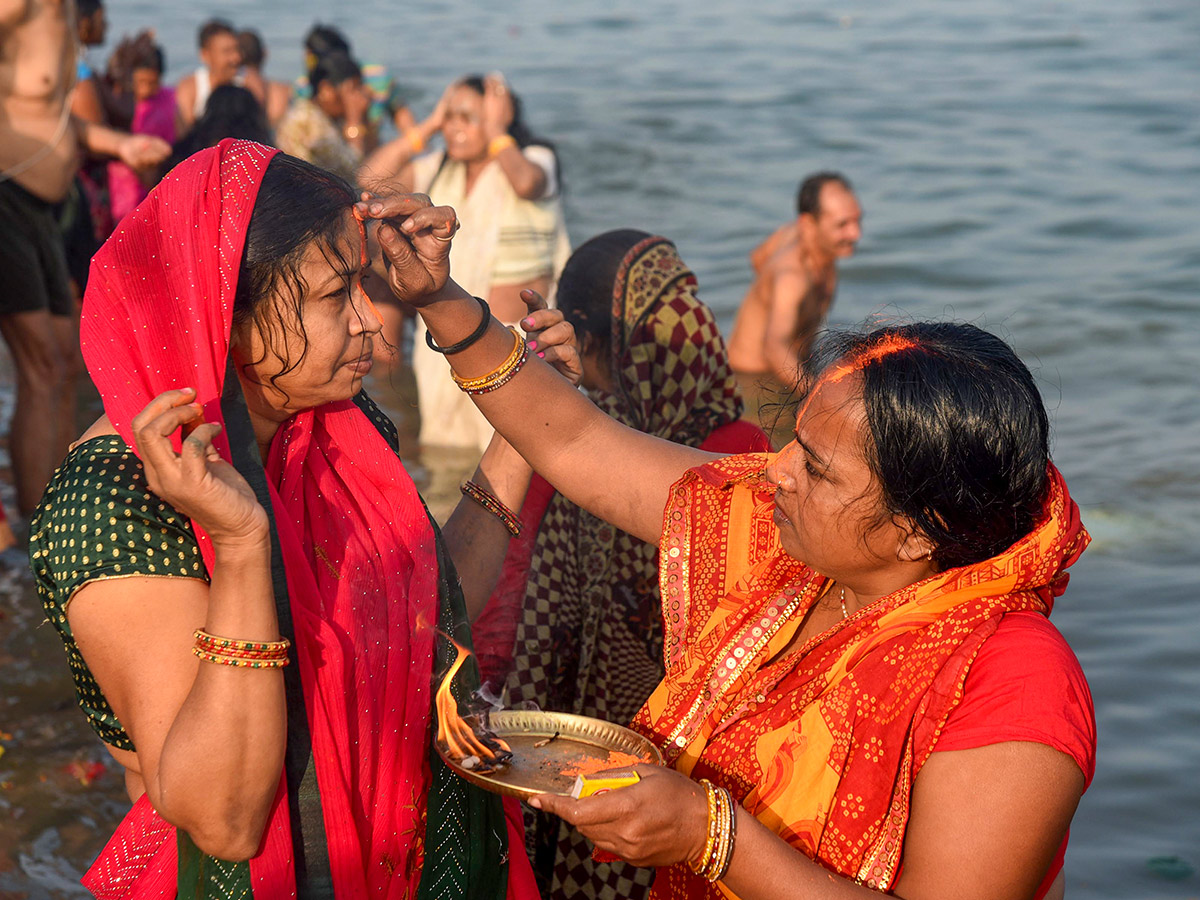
(454, 733)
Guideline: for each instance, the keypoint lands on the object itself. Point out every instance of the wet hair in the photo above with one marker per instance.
(85, 9)
(136, 52)
(251, 46)
(322, 40)
(231, 111)
(587, 282)
(958, 434)
(808, 197)
(149, 58)
(517, 128)
(298, 205)
(211, 29)
(334, 68)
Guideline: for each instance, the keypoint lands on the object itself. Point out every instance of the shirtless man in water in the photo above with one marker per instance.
(40, 143)
(795, 278)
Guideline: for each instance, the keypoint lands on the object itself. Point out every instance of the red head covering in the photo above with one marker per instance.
(355, 540)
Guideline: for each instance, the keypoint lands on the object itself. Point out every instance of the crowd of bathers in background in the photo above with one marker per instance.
(473, 151)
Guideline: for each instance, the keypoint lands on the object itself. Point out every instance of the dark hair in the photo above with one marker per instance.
(85, 9)
(211, 29)
(808, 198)
(334, 68)
(231, 111)
(325, 39)
(517, 127)
(585, 287)
(251, 46)
(959, 436)
(136, 52)
(149, 58)
(298, 204)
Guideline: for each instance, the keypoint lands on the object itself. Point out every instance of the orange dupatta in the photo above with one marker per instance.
(823, 745)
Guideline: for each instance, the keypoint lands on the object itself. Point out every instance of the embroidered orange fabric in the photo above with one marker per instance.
(819, 745)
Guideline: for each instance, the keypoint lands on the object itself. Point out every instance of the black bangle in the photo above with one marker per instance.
(470, 338)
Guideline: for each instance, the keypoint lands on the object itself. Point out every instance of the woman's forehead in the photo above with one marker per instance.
(832, 415)
(340, 254)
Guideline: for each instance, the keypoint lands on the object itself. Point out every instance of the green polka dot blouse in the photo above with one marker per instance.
(97, 520)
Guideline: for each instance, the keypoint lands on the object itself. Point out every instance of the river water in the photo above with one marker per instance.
(1030, 166)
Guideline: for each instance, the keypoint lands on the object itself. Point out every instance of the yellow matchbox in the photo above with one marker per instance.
(588, 785)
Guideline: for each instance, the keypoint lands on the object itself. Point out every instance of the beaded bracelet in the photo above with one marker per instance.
(224, 660)
(218, 644)
(502, 374)
(470, 338)
(493, 505)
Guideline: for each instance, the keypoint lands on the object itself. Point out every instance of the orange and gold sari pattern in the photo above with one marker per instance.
(821, 744)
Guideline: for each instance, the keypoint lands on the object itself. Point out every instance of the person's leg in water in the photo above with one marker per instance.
(39, 323)
(43, 415)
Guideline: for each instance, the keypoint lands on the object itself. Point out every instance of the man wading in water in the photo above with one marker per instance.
(795, 278)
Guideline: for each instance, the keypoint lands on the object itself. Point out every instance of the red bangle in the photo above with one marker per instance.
(493, 505)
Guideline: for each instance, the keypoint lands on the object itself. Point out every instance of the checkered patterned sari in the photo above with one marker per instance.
(589, 640)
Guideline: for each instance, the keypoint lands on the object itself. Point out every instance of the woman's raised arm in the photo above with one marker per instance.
(612, 471)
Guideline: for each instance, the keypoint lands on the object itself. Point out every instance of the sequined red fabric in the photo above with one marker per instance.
(356, 542)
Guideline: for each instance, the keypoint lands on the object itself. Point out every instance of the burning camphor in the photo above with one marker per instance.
(477, 750)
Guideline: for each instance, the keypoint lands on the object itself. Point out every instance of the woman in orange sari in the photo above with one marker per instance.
(862, 691)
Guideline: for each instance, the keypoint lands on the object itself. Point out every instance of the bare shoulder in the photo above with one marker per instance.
(100, 427)
(763, 255)
(13, 13)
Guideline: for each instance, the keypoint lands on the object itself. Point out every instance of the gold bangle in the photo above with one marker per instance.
(730, 836)
(720, 858)
(415, 140)
(700, 865)
(501, 375)
(499, 144)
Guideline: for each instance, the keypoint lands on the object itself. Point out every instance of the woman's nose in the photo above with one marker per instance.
(778, 467)
(366, 317)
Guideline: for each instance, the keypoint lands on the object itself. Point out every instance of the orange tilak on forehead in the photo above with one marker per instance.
(364, 260)
(888, 345)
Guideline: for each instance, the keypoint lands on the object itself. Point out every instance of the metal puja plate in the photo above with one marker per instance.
(538, 770)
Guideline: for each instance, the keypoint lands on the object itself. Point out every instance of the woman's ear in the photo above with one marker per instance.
(914, 545)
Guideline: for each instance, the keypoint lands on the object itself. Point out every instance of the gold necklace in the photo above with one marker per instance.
(845, 615)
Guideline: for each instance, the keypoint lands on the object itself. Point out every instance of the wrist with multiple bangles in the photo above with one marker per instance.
(485, 384)
(499, 376)
(242, 654)
(492, 504)
(719, 837)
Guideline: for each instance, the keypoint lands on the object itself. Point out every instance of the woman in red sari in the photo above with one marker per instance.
(858, 661)
(253, 598)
